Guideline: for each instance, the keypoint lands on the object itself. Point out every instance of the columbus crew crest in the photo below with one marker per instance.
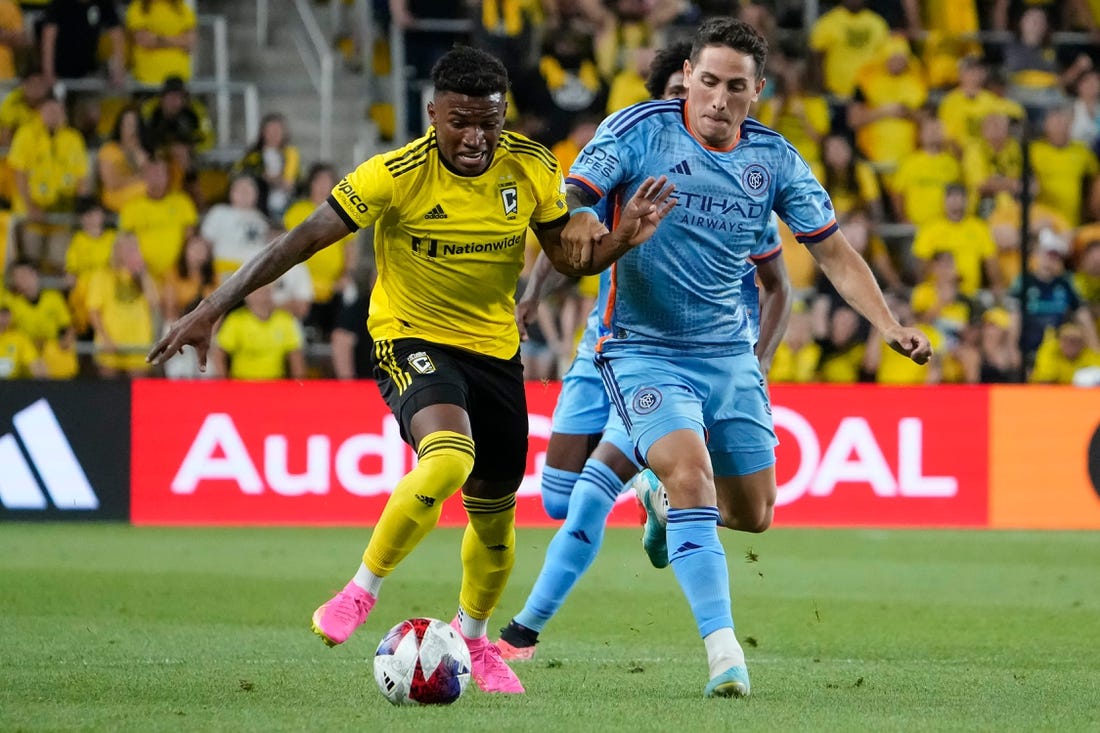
(421, 362)
(509, 197)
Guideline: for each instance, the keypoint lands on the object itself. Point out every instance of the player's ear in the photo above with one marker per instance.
(759, 88)
(431, 112)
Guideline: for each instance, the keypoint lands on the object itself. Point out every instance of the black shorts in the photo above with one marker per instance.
(413, 374)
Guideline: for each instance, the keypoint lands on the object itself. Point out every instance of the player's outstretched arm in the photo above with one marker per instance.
(588, 248)
(543, 278)
(852, 278)
(323, 227)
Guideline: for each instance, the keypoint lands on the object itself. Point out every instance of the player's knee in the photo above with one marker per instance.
(448, 457)
(689, 485)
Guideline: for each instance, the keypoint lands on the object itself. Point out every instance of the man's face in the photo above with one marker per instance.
(156, 179)
(674, 87)
(467, 129)
(721, 86)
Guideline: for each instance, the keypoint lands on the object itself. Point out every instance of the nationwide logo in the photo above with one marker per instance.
(681, 167)
(59, 474)
(437, 212)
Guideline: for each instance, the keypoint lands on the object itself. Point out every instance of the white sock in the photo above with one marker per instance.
(367, 580)
(472, 628)
(723, 651)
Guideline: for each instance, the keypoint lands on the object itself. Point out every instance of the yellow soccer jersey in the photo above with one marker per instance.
(54, 164)
(87, 253)
(11, 21)
(258, 349)
(921, 180)
(791, 366)
(970, 240)
(17, 354)
(888, 139)
(154, 65)
(126, 315)
(791, 119)
(962, 115)
(848, 40)
(325, 267)
(1061, 173)
(449, 248)
(43, 319)
(160, 226)
(842, 367)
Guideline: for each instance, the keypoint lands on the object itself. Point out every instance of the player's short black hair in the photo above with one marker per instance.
(735, 34)
(470, 71)
(666, 62)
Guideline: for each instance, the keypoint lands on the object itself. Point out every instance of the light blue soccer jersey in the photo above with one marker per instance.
(682, 288)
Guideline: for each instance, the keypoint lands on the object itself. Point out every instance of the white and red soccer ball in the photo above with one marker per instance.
(422, 661)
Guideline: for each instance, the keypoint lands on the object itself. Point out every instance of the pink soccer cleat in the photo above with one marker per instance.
(514, 653)
(338, 617)
(489, 670)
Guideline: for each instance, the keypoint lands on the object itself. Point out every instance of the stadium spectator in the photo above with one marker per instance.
(843, 348)
(351, 342)
(889, 367)
(1047, 297)
(18, 357)
(69, 44)
(161, 219)
(963, 109)
(178, 123)
(947, 30)
(237, 230)
(992, 164)
(20, 105)
(162, 36)
(890, 92)
(568, 148)
(989, 352)
(259, 341)
(332, 270)
(623, 26)
(797, 111)
(120, 162)
(968, 238)
(90, 250)
(42, 314)
(628, 85)
(850, 180)
(1007, 14)
(1035, 76)
(922, 176)
(798, 354)
(51, 169)
(274, 163)
(1085, 127)
(13, 37)
(121, 304)
(938, 301)
(1062, 355)
(511, 30)
(566, 83)
(191, 280)
(844, 39)
(1086, 278)
(1066, 170)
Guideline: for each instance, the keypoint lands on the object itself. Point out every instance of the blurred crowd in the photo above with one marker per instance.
(958, 141)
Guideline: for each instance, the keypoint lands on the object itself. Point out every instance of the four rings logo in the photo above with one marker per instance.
(50, 456)
(756, 179)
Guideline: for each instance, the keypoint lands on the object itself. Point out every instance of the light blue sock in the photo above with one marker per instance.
(699, 561)
(575, 544)
(557, 485)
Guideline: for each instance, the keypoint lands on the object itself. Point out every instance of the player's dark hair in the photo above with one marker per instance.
(735, 34)
(470, 71)
(666, 62)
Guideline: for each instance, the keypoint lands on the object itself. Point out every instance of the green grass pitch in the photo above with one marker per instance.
(113, 628)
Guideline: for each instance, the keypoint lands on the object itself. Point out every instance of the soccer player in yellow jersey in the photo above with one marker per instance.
(450, 211)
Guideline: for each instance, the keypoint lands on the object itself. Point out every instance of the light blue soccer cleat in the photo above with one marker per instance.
(652, 497)
(734, 682)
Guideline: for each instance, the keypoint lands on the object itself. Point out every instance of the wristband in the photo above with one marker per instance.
(583, 209)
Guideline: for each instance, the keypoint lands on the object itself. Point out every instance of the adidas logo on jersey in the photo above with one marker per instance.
(437, 212)
(681, 167)
(51, 458)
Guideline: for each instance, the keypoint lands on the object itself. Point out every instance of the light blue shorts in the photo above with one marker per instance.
(722, 398)
(584, 408)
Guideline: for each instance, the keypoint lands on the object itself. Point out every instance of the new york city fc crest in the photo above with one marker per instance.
(647, 400)
(756, 179)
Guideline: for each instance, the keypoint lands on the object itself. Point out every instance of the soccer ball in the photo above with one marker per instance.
(422, 661)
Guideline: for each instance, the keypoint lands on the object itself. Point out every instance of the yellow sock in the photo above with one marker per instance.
(488, 552)
(445, 462)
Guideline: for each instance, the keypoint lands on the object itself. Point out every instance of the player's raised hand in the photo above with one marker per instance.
(193, 329)
(643, 212)
(911, 342)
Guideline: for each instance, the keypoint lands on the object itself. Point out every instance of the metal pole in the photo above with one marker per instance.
(261, 23)
(221, 76)
(1025, 238)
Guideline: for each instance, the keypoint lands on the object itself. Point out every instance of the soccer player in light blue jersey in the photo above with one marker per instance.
(675, 349)
(589, 457)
